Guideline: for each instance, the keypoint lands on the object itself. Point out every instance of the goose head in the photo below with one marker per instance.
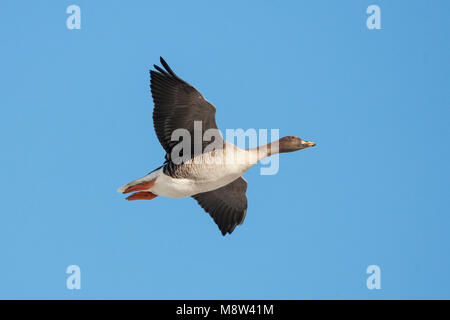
(293, 143)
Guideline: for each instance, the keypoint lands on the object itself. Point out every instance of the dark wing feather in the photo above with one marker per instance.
(178, 105)
(226, 205)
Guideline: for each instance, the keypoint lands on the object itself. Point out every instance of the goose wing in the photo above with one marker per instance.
(177, 106)
(226, 205)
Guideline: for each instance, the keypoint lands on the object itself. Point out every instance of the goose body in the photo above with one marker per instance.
(195, 176)
(212, 177)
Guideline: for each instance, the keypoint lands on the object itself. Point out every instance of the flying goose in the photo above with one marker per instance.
(212, 177)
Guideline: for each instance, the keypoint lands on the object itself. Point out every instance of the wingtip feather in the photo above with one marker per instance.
(166, 66)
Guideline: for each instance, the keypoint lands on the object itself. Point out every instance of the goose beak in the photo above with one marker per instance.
(309, 144)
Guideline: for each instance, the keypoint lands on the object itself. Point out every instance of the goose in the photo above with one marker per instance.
(212, 177)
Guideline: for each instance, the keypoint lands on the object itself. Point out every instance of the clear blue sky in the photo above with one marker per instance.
(76, 123)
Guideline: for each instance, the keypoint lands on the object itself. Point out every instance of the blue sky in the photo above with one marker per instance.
(76, 124)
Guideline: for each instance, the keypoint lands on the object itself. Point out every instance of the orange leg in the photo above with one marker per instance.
(141, 186)
(144, 195)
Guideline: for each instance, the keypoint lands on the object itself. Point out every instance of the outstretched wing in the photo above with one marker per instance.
(226, 205)
(177, 106)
